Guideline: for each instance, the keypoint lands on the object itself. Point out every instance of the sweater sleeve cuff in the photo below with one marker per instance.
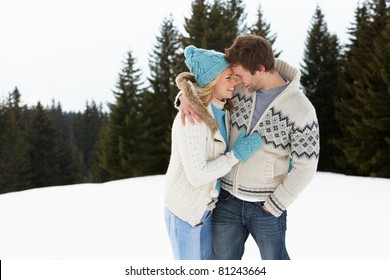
(274, 209)
(232, 158)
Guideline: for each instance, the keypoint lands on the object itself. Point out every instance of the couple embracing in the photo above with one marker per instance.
(251, 147)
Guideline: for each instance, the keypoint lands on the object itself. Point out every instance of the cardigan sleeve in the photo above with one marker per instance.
(305, 153)
(192, 143)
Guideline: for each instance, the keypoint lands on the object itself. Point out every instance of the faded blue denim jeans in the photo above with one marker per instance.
(188, 242)
(234, 219)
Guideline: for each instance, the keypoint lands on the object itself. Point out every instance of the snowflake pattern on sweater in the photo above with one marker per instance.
(278, 129)
(304, 141)
(242, 110)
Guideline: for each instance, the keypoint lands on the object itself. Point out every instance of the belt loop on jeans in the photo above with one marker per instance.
(201, 223)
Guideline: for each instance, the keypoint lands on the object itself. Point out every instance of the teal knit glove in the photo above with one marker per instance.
(245, 146)
(291, 165)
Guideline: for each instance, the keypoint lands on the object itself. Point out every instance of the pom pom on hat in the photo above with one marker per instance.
(205, 65)
(188, 51)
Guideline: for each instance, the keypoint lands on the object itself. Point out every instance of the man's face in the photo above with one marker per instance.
(244, 76)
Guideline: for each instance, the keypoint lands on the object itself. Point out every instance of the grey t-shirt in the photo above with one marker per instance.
(263, 99)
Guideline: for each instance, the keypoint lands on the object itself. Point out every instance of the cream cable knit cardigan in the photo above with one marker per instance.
(289, 126)
(197, 159)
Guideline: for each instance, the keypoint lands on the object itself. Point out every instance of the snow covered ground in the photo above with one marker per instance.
(337, 217)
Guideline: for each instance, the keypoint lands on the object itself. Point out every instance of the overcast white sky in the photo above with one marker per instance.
(72, 50)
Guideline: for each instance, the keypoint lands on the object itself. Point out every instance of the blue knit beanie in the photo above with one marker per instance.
(205, 65)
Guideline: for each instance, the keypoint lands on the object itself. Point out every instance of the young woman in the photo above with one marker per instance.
(200, 155)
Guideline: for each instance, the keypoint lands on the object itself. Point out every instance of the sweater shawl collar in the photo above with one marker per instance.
(288, 72)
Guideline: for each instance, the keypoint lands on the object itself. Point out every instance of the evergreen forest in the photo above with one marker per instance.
(349, 85)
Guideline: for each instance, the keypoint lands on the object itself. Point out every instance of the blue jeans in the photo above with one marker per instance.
(188, 242)
(234, 219)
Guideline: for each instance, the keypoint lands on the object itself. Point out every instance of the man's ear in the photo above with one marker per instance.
(261, 68)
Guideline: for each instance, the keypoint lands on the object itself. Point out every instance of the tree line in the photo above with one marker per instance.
(349, 85)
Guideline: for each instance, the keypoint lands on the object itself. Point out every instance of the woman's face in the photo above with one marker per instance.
(224, 87)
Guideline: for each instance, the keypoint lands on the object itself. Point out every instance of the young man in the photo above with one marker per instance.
(256, 193)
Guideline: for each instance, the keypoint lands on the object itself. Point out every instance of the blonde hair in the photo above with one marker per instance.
(206, 94)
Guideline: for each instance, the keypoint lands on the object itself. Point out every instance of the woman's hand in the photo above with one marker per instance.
(187, 112)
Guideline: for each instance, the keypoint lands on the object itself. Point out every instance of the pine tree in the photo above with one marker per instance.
(157, 110)
(86, 128)
(225, 19)
(13, 103)
(234, 17)
(263, 29)
(51, 159)
(379, 102)
(363, 110)
(213, 26)
(374, 95)
(118, 153)
(196, 26)
(321, 72)
(15, 170)
(346, 104)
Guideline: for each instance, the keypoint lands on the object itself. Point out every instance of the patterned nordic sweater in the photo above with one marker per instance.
(289, 126)
(197, 160)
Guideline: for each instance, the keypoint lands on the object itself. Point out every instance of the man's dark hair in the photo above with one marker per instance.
(251, 51)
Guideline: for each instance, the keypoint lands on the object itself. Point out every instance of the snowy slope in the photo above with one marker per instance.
(336, 218)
